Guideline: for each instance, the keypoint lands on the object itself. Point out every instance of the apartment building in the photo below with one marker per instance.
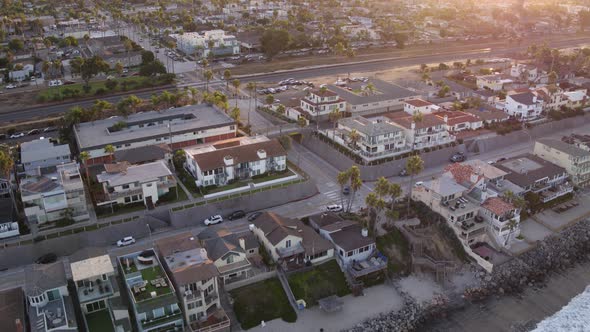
(235, 159)
(321, 102)
(428, 132)
(40, 154)
(50, 306)
(575, 160)
(378, 137)
(98, 294)
(177, 127)
(195, 278)
(55, 196)
(577, 98)
(523, 106)
(151, 295)
(493, 82)
(459, 121)
(214, 42)
(123, 183)
(373, 96)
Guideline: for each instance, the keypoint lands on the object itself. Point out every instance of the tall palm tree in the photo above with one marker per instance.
(511, 227)
(395, 191)
(335, 115)
(251, 87)
(84, 156)
(342, 179)
(369, 89)
(376, 203)
(208, 76)
(227, 77)
(110, 151)
(355, 184)
(414, 165)
(236, 84)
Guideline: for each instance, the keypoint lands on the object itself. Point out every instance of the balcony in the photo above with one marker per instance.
(290, 251)
(125, 193)
(216, 320)
(556, 192)
(92, 290)
(212, 296)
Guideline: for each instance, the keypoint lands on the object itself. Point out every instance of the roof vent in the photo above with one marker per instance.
(261, 154)
(228, 160)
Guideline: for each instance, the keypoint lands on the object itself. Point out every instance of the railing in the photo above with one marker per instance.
(290, 251)
(128, 192)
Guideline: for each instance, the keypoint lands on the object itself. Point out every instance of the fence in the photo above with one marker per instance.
(252, 280)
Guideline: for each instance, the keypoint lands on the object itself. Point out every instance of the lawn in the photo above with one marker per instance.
(188, 180)
(151, 274)
(170, 197)
(214, 189)
(324, 280)
(262, 301)
(99, 321)
(98, 88)
(105, 211)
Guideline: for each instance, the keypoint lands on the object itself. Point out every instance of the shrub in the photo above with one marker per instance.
(100, 91)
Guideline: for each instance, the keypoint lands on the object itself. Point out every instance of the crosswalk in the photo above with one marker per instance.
(335, 197)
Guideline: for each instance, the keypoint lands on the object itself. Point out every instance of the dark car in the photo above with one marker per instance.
(458, 157)
(254, 215)
(47, 259)
(237, 215)
(346, 190)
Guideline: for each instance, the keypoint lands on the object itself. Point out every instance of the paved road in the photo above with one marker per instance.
(304, 73)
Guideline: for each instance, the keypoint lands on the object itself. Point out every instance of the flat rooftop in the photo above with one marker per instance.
(147, 125)
(383, 91)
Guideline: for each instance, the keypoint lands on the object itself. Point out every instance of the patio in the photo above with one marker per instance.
(99, 321)
(94, 290)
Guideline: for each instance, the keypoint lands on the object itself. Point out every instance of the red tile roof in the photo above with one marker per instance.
(461, 172)
(428, 120)
(497, 205)
(418, 102)
(456, 117)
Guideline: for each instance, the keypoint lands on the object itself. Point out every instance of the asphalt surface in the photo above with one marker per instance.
(303, 73)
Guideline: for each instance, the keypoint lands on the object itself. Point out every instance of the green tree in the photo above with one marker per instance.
(236, 84)
(281, 109)
(110, 151)
(227, 78)
(394, 192)
(334, 116)
(274, 41)
(119, 68)
(235, 114)
(355, 184)
(414, 165)
(208, 74)
(87, 68)
(354, 137)
(6, 163)
(270, 99)
(84, 156)
(376, 204)
(342, 178)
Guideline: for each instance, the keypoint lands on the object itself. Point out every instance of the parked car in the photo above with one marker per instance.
(216, 219)
(33, 132)
(346, 190)
(403, 172)
(254, 215)
(128, 240)
(458, 157)
(500, 160)
(236, 215)
(334, 208)
(17, 135)
(49, 129)
(10, 86)
(47, 259)
(419, 183)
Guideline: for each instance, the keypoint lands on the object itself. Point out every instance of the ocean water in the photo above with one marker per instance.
(573, 317)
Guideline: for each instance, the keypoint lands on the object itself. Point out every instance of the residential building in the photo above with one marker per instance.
(355, 251)
(523, 106)
(378, 137)
(123, 183)
(503, 218)
(575, 160)
(55, 196)
(20, 75)
(177, 127)
(525, 72)
(12, 304)
(240, 158)
(373, 96)
(50, 306)
(4, 186)
(428, 132)
(151, 294)
(577, 98)
(321, 102)
(98, 294)
(8, 219)
(290, 242)
(230, 252)
(201, 44)
(40, 154)
(534, 174)
(493, 82)
(145, 154)
(488, 115)
(552, 99)
(459, 121)
(414, 106)
(195, 278)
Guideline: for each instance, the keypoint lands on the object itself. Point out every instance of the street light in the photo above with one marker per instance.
(149, 230)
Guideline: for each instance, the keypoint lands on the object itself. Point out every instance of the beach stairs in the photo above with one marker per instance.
(285, 283)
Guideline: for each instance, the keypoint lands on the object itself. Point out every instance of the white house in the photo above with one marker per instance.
(216, 42)
(525, 72)
(239, 158)
(22, 74)
(523, 106)
(430, 131)
(322, 102)
(459, 121)
(146, 183)
(290, 242)
(576, 98)
(41, 154)
(493, 82)
(414, 106)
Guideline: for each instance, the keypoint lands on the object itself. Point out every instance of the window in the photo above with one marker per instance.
(288, 244)
(127, 199)
(158, 312)
(230, 259)
(125, 186)
(348, 254)
(191, 306)
(192, 317)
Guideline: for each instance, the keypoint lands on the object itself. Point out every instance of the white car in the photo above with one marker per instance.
(128, 240)
(17, 135)
(10, 86)
(334, 208)
(216, 219)
(419, 183)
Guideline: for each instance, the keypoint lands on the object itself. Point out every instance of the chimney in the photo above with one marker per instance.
(413, 125)
(446, 118)
(19, 325)
(364, 232)
(242, 243)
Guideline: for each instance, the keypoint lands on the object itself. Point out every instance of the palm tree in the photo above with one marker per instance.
(110, 151)
(84, 156)
(395, 191)
(342, 179)
(354, 137)
(355, 184)
(511, 227)
(194, 95)
(236, 84)
(414, 165)
(208, 76)
(235, 114)
(227, 77)
(335, 115)
(369, 89)
(281, 109)
(251, 87)
(376, 204)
